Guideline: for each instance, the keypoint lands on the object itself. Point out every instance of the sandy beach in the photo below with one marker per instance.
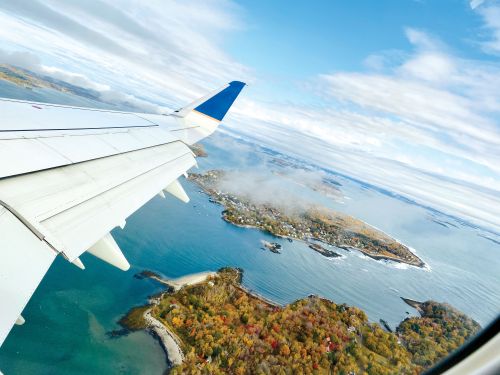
(182, 281)
(169, 341)
(192, 279)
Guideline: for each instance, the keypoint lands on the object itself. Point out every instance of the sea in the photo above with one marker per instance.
(72, 311)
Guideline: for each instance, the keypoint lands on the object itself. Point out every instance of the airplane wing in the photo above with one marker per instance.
(69, 175)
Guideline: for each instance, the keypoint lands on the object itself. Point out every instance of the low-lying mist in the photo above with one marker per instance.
(288, 189)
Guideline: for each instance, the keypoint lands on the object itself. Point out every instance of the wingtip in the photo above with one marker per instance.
(237, 83)
(219, 104)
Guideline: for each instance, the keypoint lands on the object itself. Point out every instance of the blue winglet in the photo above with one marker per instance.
(218, 105)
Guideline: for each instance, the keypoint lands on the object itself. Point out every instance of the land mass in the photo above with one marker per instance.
(199, 150)
(440, 329)
(316, 223)
(325, 252)
(217, 327)
(273, 247)
(30, 80)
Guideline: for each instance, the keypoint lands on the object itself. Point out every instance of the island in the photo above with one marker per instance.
(273, 247)
(325, 252)
(198, 150)
(216, 326)
(316, 223)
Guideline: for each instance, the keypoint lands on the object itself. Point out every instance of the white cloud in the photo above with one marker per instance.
(76, 79)
(375, 62)
(491, 17)
(434, 67)
(423, 125)
(20, 58)
(475, 3)
(162, 56)
(28, 60)
(422, 40)
(428, 129)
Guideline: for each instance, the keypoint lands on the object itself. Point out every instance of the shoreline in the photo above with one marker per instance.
(417, 305)
(332, 227)
(169, 341)
(172, 344)
(186, 280)
(181, 353)
(375, 257)
(261, 298)
(179, 282)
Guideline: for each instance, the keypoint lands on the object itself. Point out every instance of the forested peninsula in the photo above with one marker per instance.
(220, 327)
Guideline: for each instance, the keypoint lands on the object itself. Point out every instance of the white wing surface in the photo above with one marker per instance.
(69, 175)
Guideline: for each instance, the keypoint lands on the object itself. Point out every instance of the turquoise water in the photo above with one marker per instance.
(70, 313)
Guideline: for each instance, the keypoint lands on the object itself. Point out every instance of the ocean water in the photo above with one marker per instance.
(71, 311)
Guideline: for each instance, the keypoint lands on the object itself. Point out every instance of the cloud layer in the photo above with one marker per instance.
(425, 126)
(423, 123)
(163, 52)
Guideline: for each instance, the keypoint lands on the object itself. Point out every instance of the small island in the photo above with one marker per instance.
(273, 247)
(325, 252)
(316, 223)
(198, 150)
(217, 326)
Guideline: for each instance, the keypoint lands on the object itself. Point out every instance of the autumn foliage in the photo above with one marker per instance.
(225, 329)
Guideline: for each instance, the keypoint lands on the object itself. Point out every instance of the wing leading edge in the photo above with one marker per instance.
(69, 175)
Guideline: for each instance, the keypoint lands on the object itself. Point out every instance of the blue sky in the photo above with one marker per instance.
(338, 35)
(285, 43)
(402, 94)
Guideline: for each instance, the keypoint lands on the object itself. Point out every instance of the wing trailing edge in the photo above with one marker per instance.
(24, 260)
(74, 174)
